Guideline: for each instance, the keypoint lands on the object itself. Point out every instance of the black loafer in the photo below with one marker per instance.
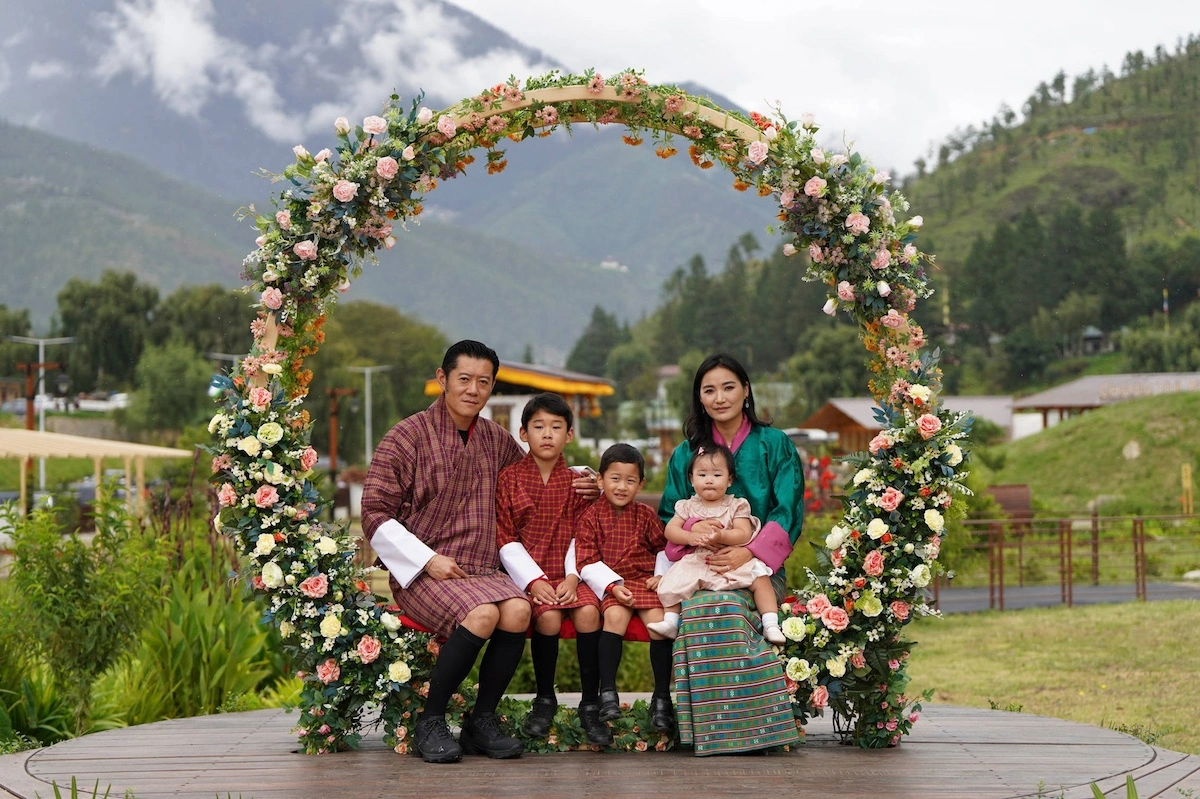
(662, 715)
(433, 743)
(541, 715)
(597, 731)
(481, 735)
(610, 705)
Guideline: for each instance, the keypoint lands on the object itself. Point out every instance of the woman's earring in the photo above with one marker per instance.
(746, 404)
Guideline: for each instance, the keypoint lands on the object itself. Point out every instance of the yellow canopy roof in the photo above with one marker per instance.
(34, 444)
(543, 378)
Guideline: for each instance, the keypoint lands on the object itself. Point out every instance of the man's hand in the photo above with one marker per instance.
(542, 593)
(652, 582)
(623, 595)
(566, 592)
(443, 567)
(586, 486)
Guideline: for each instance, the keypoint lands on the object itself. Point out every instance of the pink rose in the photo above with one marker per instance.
(409, 153)
(374, 125)
(891, 499)
(315, 587)
(879, 442)
(900, 610)
(789, 249)
(344, 190)
(328, 671)
(873, 563)
(308, 458)
(757, 152)
(913, 718)
(845, 291)
(820, 697)
(858, 223)
(835, 557)
(835, 618)
(324, 155)
(260, 398)
(792, 685)
(882, 259)
(387, 167)
(858, 661)
(894, 664)
(910, 253)
(891, 725)
(272, 298)
(883, 288)
(447, 127)
(284, 219)
(818, 604)
(368, 649)
(814, 252)
(892, 319)
(305, 250)
(787, 198)
(257, 582)
(226, 495)
(815, 187)
(928, 425)
(266, 496)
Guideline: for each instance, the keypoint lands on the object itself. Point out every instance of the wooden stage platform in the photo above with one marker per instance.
(953, 752)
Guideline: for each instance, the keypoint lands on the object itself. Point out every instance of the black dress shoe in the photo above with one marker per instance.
(610, 705)
(597, 731)
(541, 715)
(662, 715)
(433, 743)
(481, 735)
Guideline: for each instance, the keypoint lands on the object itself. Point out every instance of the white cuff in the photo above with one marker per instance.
(569, 563)
(598, 577)
(661, 563)
(521, 567)
(402, 553)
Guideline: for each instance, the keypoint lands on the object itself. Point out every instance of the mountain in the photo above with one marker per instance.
(211, 91)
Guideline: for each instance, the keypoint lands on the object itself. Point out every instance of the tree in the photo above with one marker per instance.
(172, 383)
(109, 320)
(1151, 347)
(13, 323)
(589, 356)
(209, 318)
(829, 362)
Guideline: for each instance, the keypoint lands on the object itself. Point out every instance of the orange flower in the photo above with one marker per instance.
(782, 216)
(706, 164)
(764, 190)
(417, 209)
(632, 141)
(495, 167)
(665, 152)
(695, 153)
(740, 185)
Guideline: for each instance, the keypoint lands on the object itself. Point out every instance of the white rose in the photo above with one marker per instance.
(836, 667)
(793, 628)
(215, 422)
(808, 120)
(880, 178)
(909, 548)
(250, 445)
(273, 473)
(836, 537)
(837, 160)
(272, 368)
(390, 622)
(789, 249)
(424, 115)
(270, 433)
(830, 307)
(934, 520)
(286, 628)
(264, 545)
(326, 545)
(300, 151)
(331, 625)
(818, 155)
(920, 576)
(769, 133)
(863, 476)
(916, 221)
(399, 672)
(956, 454)
(920, 392)
(272, 575)
(341, 126)
(798, 669)
(877, 528)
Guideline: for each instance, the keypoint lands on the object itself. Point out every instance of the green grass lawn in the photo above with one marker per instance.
(1133, 666)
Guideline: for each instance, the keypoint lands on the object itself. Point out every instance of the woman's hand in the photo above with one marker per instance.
(729, 558)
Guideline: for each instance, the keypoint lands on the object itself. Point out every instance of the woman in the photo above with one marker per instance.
(729, 682)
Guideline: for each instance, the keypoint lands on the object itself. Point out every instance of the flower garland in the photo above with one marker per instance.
(343, 205)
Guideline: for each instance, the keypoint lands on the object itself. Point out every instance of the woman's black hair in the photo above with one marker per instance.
(711, 450)
(698, 426)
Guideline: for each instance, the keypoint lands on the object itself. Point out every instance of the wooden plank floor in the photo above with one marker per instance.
(953, 752)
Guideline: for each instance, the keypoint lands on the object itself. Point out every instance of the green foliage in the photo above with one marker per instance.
(110, 320)
(829, 362)
(1152, 346)
(80, 604)
(631, 733)
(76, 792)
(172, 383)
(208, 318)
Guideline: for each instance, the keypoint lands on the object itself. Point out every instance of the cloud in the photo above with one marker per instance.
(48, 70)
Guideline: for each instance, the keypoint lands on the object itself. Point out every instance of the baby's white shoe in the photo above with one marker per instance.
(773, 634)
(666, 628)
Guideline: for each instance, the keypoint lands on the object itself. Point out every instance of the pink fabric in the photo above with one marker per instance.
(772, 545)
(738, 437)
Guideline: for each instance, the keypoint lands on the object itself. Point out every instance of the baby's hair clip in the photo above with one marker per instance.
(700, 451)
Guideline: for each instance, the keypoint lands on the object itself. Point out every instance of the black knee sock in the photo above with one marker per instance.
(609, 656)
(453, 664)
(660, 666)
(588, 647)
(544, 650)
(497, 667)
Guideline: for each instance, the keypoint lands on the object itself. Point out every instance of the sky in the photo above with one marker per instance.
(890, 77)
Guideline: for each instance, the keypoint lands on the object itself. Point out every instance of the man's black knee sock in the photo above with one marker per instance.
(544, 651)
(660, 666)
(496, 669)
(588, 647)
(609, 650)
(453, 664)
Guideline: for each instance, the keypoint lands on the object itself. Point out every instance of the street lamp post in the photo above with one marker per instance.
(335, 395)
(368, 448)
(41, 388)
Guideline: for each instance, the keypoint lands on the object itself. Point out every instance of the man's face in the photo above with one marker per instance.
(467, 388)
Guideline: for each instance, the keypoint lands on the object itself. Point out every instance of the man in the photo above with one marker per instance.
(429, 511)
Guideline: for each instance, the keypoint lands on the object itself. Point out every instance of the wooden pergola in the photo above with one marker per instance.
(28, 444)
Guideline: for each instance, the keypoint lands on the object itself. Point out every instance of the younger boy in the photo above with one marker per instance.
(617, 543)
(536, 513)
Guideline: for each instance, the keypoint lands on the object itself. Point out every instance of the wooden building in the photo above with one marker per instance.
(853, 418)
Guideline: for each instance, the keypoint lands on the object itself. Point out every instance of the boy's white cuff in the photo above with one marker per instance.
(569, 563)
(404, 555)
(661, 563)
(521, 567)
(599, 577)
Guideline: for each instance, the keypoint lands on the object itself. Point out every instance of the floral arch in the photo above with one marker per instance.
(845, 646)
